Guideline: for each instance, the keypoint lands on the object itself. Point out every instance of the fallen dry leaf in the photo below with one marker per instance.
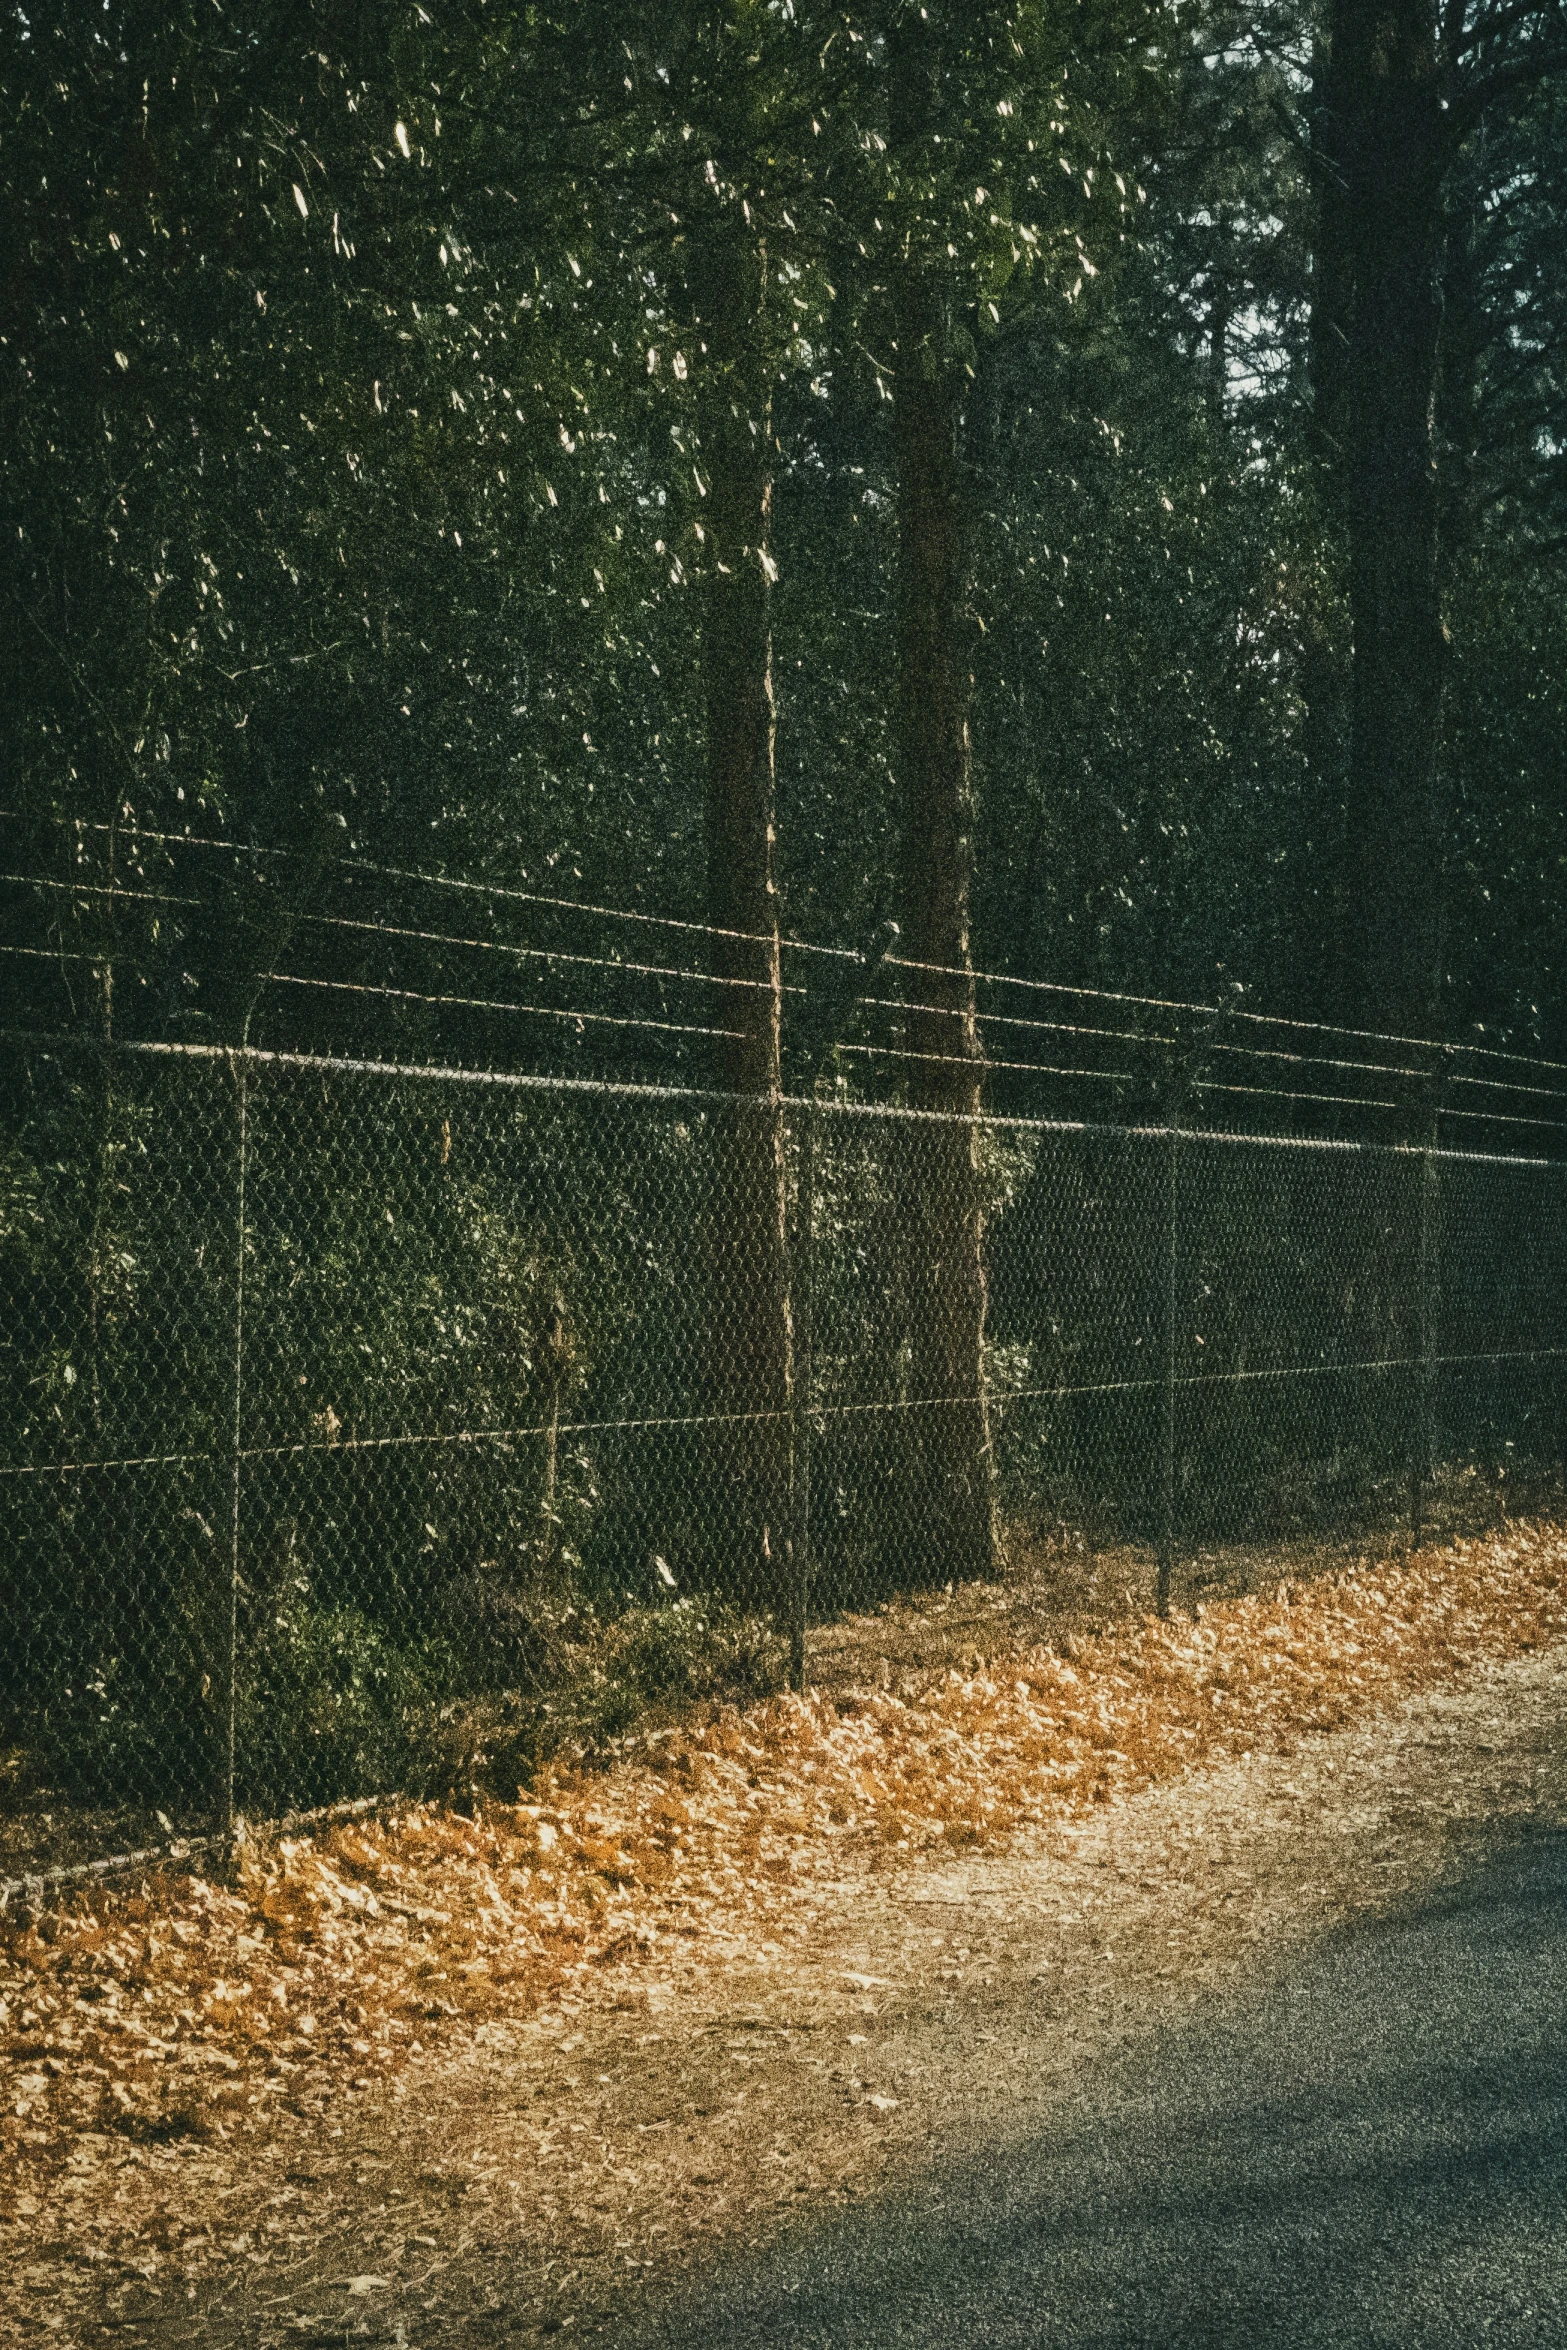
(178, 2008)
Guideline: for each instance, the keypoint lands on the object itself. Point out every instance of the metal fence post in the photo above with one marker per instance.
(1423, 1430)
(1186, 1079)
(860, 975)
(804, 1269)
(1167, 1411)
(231, 1625)
(1425, 1368)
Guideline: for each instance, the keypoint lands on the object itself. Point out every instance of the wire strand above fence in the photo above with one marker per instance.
(1445, 1051)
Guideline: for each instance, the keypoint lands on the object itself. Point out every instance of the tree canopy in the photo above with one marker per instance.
(373, 374)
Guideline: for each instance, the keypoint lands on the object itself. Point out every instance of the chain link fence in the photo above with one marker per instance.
(368, 1426)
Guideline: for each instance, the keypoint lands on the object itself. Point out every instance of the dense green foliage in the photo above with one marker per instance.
(353, 474)
(381, 388)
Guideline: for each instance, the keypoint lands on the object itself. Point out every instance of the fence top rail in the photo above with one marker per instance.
(236, 1057)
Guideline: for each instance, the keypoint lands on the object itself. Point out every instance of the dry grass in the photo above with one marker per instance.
(183, 2007)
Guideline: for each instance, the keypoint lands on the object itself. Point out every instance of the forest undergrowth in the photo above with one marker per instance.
(185, 2007)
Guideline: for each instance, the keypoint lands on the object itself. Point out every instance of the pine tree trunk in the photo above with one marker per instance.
(752, 1340)
(955, 1507)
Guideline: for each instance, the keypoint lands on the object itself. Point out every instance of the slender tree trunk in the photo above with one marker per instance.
(752, 1329)
(1332, 260)
(1220, 319)
(1387, 124)
(956, 1507)
(1323, 672)
(1467, 330)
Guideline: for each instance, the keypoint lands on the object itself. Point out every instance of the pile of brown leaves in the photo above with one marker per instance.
(186, 2007)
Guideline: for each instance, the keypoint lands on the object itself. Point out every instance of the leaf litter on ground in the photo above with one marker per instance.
(179, 2008)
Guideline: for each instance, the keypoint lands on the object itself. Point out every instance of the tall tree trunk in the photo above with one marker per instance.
(1332, 259)
(752, 1329)
(1323, 672)
(1386, 103)
(1220, 319)
(956, 1508)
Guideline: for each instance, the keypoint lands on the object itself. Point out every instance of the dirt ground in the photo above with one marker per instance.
(1056, 1588)
(553, 2174)
(1059, 1584)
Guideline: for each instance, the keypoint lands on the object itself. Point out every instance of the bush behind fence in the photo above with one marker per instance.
(366, 1426)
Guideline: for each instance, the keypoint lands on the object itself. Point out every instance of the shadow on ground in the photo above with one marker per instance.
(1371, 2153)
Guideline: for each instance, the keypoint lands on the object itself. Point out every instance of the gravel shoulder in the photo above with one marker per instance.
(570, 2173)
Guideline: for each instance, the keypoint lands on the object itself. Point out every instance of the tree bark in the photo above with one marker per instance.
(1324, 675)
(1383, 203)
(1332, 264)
(1220, 319)
(752, 1326)
(957, 1512)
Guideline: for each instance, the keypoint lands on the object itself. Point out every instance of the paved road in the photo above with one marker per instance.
(1373, 2152)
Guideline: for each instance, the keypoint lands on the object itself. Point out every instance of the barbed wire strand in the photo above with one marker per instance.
(1120, 1077)
(497, 946)
(1503, 1118)
(452, 881)
(1247, 1051)
(1341, 1101)
(61, 955)
(881, 1003)
(869, 1051)
(488, 1004)
(1428, 1044)
(980, 1064)
(901, 1005)
(1046, 1069)
(99, 889)
(811, 946)
(1258, 1052)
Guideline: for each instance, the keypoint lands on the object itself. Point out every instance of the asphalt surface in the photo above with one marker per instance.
(1372, 2151)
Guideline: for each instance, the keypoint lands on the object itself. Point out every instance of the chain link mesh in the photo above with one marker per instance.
(371, 1427)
